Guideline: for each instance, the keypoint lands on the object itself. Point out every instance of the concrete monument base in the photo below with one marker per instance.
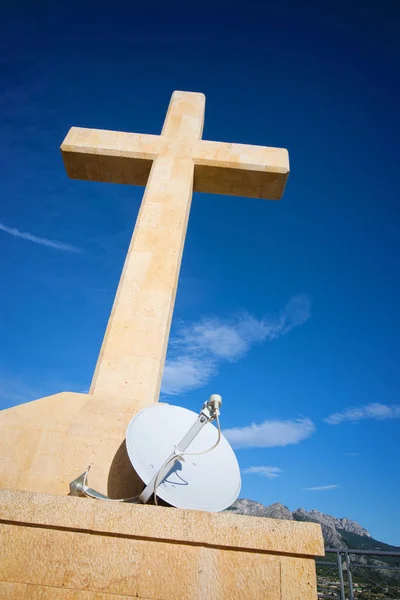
(47, 443)
(67, 548)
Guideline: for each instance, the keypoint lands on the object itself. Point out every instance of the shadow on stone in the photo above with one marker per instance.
(123, 481)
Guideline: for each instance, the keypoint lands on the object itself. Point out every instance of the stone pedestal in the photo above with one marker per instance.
(61, 547)
(47, 443)
(54, 547)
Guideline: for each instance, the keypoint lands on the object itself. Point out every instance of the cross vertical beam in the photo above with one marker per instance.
(132, 355)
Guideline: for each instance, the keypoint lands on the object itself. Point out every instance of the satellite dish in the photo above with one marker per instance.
(207, 481)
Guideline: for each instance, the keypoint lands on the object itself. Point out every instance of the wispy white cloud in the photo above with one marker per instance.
(270, 433)
(196, 350)
(374, 410)
(226, 340)
(39, 240)
(185, 373)
(269, 472)
(321, 488)
(230, 339)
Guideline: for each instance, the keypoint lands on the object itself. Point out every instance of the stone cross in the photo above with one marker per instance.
(46, 444)
(171, 166)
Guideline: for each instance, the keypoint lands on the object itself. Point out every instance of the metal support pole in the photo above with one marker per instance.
(173, 457)
(341, 580)
(349, 576)
(208, 413)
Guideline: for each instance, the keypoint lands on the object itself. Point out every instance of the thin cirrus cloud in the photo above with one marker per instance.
(39, 240)
(374, 410)
(185, 373)
(321, 488)
(270, 434)
(197, 350)
(269, 472)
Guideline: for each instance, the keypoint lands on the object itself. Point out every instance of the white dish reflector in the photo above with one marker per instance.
(209, 481)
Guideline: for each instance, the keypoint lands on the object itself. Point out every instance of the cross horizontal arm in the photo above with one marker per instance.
(240, 170)
(109, 156)
(220, 168)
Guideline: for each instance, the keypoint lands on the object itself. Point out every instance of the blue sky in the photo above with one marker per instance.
(288, 309)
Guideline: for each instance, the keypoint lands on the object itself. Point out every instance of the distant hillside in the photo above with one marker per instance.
(338, 524)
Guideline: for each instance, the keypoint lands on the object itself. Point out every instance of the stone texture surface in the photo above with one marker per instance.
(10, 590)
(155, 522)
(47, 443)
(298, 578)
(132, 356)
(23, 591)
(52, 542)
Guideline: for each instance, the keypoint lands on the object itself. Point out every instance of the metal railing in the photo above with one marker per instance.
(345, 566)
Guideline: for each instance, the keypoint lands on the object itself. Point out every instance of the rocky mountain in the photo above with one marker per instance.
(255, 509)
(338, 524)
(337, 532)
